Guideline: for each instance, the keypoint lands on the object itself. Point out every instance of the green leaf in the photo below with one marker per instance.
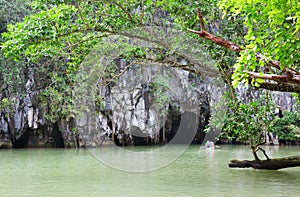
(258, 80)
(248, 57)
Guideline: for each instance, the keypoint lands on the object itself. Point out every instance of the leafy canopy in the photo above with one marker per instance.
(273, 29)
(58, 35)
(66, 28)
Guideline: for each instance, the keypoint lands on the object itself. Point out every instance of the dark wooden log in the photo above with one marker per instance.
(272, 164)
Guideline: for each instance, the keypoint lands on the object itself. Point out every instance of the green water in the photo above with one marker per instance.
(70, 172)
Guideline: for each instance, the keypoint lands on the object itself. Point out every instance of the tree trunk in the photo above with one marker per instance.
(255, 154)
(272, 164)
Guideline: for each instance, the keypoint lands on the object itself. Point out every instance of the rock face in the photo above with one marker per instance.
(24, 124)
(284, 100)
(134, 112)
(132, 115)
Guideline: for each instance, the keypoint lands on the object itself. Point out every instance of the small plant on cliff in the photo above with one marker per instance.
(159, 89)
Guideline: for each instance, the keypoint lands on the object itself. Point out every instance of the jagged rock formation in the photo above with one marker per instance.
(131, 115)
(25, 124)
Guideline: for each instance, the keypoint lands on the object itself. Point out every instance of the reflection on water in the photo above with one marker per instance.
(198, 172)
(139, 159)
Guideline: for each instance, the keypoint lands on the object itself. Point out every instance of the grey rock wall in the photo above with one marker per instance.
(130, 115)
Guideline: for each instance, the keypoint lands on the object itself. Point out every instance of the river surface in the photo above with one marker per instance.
(197, 172)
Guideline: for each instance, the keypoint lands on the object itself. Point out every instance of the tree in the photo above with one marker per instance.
(269, 57)
(249, 123)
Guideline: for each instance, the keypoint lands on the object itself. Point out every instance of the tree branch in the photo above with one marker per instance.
(112, 2)
(142, 12)
(282, 87)
(264, 152)
(201, 21)
(217, 40)
(278, 78)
